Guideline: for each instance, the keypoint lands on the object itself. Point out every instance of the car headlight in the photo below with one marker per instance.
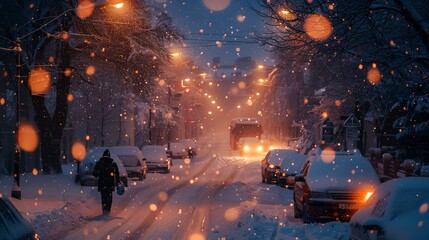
(283, 174)
(260, 148)
(319, 195)
(271, 148)
(246, 148)
(368, 195)
(272, 166)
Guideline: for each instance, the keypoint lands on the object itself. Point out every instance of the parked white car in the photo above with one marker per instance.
(398, 210)
(132, 158)
(156, 158)
(86, 168)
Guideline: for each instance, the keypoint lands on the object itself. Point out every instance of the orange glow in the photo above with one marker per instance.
(217, 5)
(70, 97)
(153, 207)
(39, 81)
(318, 27)
(241, 18)
(197, 236)
(78, 151)
(368, 195)
(67, 72)
(337, 103)
(231, 214)
(84, 9)
(287, 15)
(35, 172)
(28, 140)
(2, 101)
(90, 70)
(241, 85)
(65, 36)
(360, 66)
(325, 114)
(87, 137)
(118, 5)
(328, 155)
(51, 59)
(374, 76)
(163, 196)
(305, 101)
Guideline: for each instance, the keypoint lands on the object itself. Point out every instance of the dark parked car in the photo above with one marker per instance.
(12, 224)
(333, 185)
(398, 210)
(290, 166)
(270, 165)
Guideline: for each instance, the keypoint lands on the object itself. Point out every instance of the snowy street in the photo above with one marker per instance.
(218, 195)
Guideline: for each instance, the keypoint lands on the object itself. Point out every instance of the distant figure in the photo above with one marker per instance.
(108, 177)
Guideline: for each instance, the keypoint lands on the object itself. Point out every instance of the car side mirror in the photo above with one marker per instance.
(299, 178)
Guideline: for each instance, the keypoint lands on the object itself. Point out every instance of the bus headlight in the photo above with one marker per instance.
(260, 148)
(246, 148)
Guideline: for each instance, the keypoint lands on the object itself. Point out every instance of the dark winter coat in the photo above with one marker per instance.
(107, 172)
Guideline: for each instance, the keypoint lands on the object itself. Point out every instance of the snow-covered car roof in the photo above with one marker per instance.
(154, 153)
(331, 170)
(127, 150)
(93, 155)
(396, 205)
(289, 160)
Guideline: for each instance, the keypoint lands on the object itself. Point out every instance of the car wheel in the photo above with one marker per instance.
(296, 212)
(306, 217)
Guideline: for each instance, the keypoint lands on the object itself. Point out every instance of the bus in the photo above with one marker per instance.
(243, 127)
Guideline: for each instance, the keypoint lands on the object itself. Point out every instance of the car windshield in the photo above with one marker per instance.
(291, 161)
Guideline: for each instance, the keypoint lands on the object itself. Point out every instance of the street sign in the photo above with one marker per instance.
(351, 121)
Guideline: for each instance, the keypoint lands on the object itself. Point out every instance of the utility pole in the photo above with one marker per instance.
(16, 190)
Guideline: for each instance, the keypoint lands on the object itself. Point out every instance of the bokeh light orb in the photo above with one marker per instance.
(424, 208)
(328, 155)
(318, 27)
(197, 236)
(28, 139)
(232, 214)
(242, 85)
(374, 76)
(153, 207)
(84, 9)
(90, 70)
(78, 151)
(216, 5)
(163, 196)
(39, 81)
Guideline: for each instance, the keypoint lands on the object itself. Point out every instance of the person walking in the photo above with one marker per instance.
(108, 178)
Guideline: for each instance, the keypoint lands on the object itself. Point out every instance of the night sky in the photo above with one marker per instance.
(234, 27)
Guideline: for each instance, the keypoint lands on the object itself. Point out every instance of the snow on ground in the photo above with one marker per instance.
(244, 209)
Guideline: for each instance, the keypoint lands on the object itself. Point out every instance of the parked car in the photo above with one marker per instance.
(290, 166)
(270, 166)
(177, 150)
(86, 168)
(398, 210)
(190, 147)
(156, 158)
(12, 224)
(333, 185)
(250, 146)
(132, 158)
